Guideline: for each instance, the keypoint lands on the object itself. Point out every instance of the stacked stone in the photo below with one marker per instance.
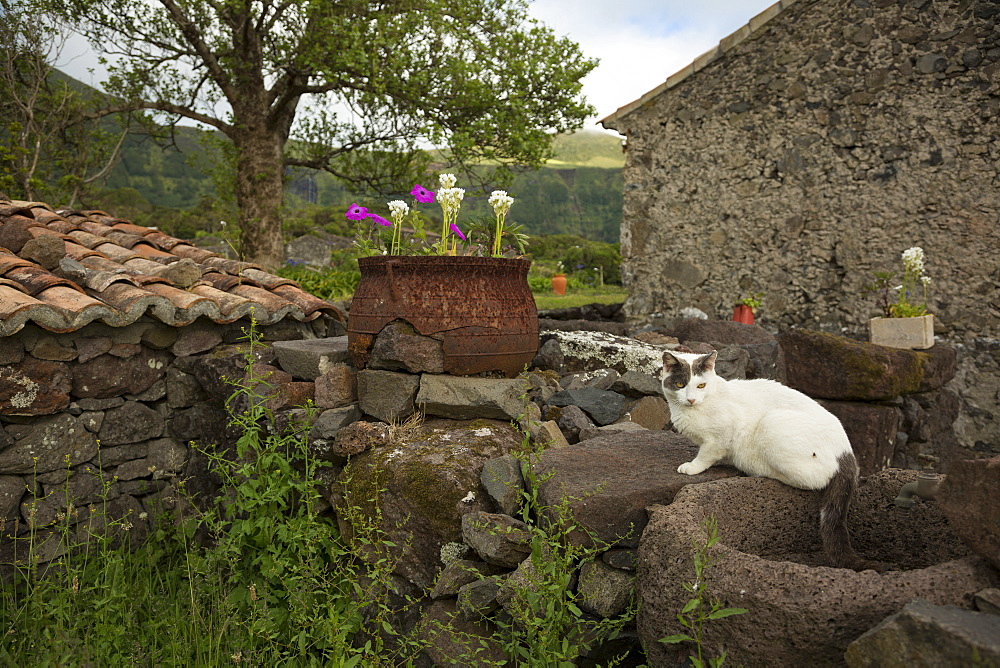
(96, 425)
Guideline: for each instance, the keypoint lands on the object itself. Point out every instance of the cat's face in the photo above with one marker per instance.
(688, 378)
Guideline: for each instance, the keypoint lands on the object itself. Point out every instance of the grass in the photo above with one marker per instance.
(609, 294)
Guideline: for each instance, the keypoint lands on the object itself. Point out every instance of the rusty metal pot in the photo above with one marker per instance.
(481, 308)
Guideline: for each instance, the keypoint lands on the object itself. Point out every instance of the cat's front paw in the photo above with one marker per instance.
(689, 468)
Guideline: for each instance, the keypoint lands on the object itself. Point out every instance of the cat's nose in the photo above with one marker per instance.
(691, 401)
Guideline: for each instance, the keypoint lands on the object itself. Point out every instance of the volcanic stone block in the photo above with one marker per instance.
(970, 497)
(307, 359)
(34, 387)
(387, 395)
(49, 444)
(940, 635)
(834, 367)
(467, 398)
(610, 481)
(109, 376)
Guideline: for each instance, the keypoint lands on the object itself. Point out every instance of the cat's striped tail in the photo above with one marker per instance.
(837, 497)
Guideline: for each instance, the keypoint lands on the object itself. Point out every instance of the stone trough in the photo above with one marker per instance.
(801, 612)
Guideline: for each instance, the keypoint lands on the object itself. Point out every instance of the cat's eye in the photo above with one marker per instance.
(702, 386)
(678, 385)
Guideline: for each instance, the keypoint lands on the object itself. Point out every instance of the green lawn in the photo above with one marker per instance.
(609, 294)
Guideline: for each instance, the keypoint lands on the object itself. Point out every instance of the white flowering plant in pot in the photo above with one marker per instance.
(908, 299)
(906, 322)
(483, 237)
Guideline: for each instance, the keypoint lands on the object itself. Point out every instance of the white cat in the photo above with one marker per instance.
(765, 429)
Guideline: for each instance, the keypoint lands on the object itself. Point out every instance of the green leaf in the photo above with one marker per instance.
(676, 638)
(726, 612)
(691, 605)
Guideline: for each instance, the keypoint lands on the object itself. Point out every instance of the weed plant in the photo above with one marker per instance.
(700, 609)
(259, 575)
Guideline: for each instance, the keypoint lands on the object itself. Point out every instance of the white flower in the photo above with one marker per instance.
(926, 280)
(500, 201)
(469, 498)
(913, 260)
(398, 210)
(447, 181)
(222, 223)
(451, 198)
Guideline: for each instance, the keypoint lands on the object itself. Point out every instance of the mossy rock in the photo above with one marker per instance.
(416, 490)
(828, 366)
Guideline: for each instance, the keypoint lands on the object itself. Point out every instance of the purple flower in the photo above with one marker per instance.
(356, 212)
(422, 194)
(454, 228)
(379, 219)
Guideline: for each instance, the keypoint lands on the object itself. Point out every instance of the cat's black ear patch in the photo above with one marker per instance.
(707, 363)
(669, 361)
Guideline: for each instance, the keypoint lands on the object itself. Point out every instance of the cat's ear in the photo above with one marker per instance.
(707, 363)
(669, 361)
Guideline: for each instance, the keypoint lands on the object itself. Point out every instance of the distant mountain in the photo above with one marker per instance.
(588, 148)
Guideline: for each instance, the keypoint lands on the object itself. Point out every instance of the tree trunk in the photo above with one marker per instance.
(259, 189)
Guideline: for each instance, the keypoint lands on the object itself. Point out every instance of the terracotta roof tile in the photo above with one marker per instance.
(117, 272)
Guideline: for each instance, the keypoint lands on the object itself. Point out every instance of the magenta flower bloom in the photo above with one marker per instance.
(454, 228)
(356, 212)
(422, 195)
(379, 219)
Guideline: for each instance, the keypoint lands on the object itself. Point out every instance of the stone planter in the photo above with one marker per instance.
(480, 309)
(912, 333)
(770, 562)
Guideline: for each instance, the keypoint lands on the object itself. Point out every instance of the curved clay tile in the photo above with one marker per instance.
(124, 239)
(131, 302)
(78, 252)
(264, 279)
(77, 308)
(10, 261)
(59, 225)
(187, 306)
(275, 306)
(192, 252)
(88, 225)
(116, 252)
(146, 250)
(34, 279)
(163, 241)
(88, 239)
(220, 281)
(308, 303)
(231, 307)
(47, 216)
(130, 228)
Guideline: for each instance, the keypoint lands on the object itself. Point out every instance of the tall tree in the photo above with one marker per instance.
(49, 148)
(355, 87)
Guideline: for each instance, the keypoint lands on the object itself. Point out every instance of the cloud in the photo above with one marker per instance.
(640, 42)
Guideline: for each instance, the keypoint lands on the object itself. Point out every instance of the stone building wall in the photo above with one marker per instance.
(808, 151)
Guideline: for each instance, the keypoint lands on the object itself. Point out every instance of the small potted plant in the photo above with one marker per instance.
(559, 280)
(745, 308)
(905, 322)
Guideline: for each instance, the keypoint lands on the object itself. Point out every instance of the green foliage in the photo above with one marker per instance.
(699, 610)
(753, 300)
(911, 293)
(594, 263)
(337, 282)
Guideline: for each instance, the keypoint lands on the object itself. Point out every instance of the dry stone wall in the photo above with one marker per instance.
(807, 154)
(98, 424)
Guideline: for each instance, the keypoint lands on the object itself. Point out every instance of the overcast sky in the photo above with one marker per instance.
(639, 42)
